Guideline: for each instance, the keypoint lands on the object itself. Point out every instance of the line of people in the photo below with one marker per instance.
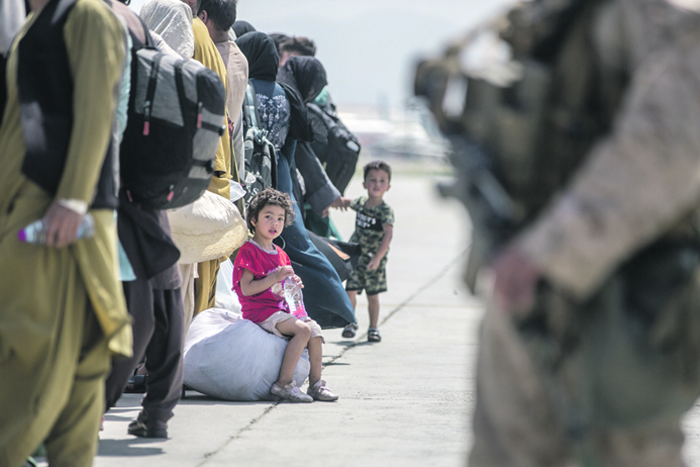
(74, 308)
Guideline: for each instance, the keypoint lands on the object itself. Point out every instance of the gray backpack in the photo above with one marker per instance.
(175, 119)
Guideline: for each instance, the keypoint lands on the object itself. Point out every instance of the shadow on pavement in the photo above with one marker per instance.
(202, 399)
(129, 447)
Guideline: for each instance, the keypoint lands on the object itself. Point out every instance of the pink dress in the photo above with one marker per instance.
(257, 308)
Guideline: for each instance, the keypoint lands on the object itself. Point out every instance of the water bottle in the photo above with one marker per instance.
(294, 297)
(36, 231)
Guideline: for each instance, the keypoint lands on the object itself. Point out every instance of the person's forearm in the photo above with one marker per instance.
(632, 188)
(255, 287)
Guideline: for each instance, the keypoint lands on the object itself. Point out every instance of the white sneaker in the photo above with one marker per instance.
(320, 392)
(290, 392)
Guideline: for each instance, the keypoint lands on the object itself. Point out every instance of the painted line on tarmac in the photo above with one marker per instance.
(238, 434)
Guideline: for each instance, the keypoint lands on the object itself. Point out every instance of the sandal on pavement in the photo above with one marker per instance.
(373, 335)
(349, 331)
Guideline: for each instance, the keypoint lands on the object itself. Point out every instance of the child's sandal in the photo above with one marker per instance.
(373, 335)
(349, 331)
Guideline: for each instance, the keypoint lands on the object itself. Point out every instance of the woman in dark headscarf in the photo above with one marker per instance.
(242, 27)
(283, 114)
(279, 38)
(307, 76)
(261, 52)
(273, 105)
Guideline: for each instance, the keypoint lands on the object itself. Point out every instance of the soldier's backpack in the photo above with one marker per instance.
(339, 153)
(175, 119)
(260, 156)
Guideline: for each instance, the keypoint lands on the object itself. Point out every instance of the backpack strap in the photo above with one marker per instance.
(250, 108)
(149, 43)
(327, 119)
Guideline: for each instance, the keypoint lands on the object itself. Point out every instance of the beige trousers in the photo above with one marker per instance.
(53, 362)
(517, 423)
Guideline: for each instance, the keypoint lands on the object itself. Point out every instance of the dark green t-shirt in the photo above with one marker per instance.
(369, 224)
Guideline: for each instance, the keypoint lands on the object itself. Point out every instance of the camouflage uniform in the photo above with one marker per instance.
(369, 231)
(612, 393)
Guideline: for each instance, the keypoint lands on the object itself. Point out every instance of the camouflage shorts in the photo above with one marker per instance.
(373, 282)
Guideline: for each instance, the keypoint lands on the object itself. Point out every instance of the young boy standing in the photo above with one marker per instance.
(374, 227)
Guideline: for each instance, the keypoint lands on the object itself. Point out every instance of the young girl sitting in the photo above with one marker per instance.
(258, 276)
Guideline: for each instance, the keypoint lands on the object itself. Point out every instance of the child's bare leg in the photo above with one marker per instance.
(315, 359)
(373, 306)
(301, 334)
(320, 392)
(352, 295)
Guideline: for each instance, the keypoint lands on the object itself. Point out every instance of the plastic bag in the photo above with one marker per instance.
(226, 298)
(234, 359)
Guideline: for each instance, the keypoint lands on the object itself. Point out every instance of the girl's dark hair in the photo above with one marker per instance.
(275, 198)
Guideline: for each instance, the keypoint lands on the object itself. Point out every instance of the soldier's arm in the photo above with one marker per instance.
(634, 185)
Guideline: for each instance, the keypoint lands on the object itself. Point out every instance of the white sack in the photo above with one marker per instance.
(226, 298)
(235, 359)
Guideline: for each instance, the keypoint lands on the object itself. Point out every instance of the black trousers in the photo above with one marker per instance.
(159, 335)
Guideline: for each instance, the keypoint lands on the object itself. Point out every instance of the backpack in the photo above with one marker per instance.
(175, 119)
(260, 156)
(342, 150)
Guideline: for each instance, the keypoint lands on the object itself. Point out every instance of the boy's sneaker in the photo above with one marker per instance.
(290, 392)
(320, 392)
(349, 331)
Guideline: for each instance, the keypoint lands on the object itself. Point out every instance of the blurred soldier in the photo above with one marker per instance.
(579, 161)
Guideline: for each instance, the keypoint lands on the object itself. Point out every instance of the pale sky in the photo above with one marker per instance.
(369, 47)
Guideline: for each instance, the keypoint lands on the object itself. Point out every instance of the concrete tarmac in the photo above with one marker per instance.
(403, 402)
